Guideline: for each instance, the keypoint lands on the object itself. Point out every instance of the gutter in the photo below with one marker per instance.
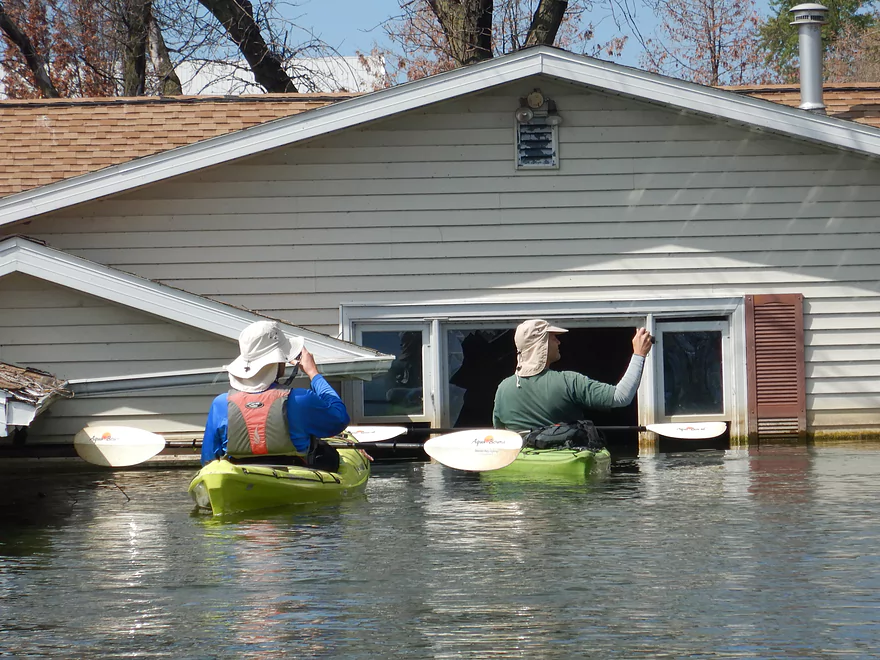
(89, 387)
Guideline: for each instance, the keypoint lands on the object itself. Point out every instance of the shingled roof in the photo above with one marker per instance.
(858, 102)
(47, 140)
(30, 385)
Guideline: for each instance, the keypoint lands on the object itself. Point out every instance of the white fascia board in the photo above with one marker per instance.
(130, 383)
(708, 101)
(493, 310)
(30, 258)
(4, 430)
(604, 76)
(19, 413)
(260, 138)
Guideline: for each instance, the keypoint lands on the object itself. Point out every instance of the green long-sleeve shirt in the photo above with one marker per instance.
(550, 397)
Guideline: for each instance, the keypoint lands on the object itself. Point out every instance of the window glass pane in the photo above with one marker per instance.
(399, 390)
(692, 373)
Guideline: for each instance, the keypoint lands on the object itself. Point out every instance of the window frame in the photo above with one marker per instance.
(356, 389)
(575, 313)
(664, 326)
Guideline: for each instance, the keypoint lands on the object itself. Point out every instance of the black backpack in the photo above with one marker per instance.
(582, 434)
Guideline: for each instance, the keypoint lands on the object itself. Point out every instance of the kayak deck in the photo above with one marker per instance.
(556, 462)
(225, 487)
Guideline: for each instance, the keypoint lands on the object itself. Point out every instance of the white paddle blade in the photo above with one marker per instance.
(376, 433)
(477, 450)
(689, 430)
(117, 446)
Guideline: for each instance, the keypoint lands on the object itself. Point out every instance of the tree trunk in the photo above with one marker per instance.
(467, 25)
(35, 63)
(237, 16)
(135, 21)
(545, 22)
(169, 83)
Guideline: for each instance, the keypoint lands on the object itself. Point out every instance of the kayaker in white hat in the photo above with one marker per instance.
(537, 396)
(258, 417)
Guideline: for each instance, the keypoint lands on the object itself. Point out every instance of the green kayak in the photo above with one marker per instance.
(556, 462)
(223, 487)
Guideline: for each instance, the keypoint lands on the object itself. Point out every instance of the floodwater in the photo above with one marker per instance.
(766, 553)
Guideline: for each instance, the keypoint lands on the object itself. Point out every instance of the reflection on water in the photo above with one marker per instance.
(764, 553)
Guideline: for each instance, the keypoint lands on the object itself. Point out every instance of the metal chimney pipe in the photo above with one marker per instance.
(810, 17)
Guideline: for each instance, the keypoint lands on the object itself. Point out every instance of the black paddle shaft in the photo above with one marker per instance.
(601, 428)
(384, 444)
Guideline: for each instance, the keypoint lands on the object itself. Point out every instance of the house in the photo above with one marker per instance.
(427, 220)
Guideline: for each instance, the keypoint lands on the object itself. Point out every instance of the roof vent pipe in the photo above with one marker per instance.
(810, 17)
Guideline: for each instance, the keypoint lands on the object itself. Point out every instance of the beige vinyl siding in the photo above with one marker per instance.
(176, 413)
(647, 204)
(72, 335)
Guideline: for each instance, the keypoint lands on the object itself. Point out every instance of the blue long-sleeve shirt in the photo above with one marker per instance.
(317, 411)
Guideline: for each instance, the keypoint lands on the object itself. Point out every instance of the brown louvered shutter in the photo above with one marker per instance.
(775, 353)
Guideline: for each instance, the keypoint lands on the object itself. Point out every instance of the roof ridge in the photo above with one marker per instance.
(794, 87)
(192, 99)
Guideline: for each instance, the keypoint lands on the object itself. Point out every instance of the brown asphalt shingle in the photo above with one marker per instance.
(858, 102)
(44, 141)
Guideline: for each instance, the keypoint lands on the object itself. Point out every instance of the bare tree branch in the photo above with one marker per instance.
(545, 22)
(467, 25)
(134, 25)
(35, 63)
(237, 16)
(169, 83)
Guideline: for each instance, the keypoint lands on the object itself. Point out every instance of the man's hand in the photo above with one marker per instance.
(642, 342)
(307, 364)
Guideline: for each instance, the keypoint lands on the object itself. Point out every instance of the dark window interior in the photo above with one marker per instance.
(600, 353)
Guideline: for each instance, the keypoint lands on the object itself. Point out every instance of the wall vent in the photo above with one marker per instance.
(536, 144)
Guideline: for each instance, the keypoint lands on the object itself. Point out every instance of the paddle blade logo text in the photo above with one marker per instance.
(488, 444)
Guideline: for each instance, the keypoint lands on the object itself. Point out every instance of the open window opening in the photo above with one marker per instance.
(479, 359)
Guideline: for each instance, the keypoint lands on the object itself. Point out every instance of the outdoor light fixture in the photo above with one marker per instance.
(553, 117)
(535, 100)
(524, 115)
(536, 105)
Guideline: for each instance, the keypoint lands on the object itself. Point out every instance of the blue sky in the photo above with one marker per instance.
(351, 25)
(347, 25)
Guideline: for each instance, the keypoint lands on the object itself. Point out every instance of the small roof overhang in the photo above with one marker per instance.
(335, 357)
(25, 392)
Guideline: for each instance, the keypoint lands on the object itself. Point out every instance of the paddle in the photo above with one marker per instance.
(681, 430)
(475, 450)
(480, 450)
(117, 446)
(376, 433)
(122, 446)
(472, 450)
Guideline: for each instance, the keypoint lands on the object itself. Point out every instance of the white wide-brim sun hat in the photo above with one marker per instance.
(263, 347)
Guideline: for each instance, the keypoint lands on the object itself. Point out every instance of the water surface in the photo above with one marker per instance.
(769, 553)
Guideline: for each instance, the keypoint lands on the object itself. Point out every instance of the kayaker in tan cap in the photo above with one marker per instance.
(537, 396)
